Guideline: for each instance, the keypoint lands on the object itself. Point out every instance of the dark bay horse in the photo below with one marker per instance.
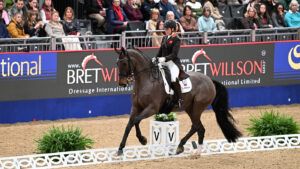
(148, 97)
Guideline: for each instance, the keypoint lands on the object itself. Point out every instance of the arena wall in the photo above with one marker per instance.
(53, 85)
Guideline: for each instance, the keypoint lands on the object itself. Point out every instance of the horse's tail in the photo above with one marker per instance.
(224, 118)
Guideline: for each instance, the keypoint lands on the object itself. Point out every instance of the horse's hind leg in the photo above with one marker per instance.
(180, 147)
(196, 127)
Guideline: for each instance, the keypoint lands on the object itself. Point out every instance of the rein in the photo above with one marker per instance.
(131, 75)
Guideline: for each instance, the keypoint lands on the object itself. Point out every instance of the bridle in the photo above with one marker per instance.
(128, 74)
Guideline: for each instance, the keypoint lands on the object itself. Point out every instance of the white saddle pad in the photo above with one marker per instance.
(186, 84)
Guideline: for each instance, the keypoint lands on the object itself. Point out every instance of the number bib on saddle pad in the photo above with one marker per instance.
(186, 84)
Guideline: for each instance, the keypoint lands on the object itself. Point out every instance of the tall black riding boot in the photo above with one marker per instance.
(177, 93)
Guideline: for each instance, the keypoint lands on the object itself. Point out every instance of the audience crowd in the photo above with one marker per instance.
(39, 18)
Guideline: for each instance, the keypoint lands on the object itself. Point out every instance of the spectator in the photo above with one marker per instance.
(70, 24)
(158, 34)
(171, 16)
(72, 29)
(196, 8)
(116, 17)
(206, 23)
(250, 21)
(264, 18)
(133, 11)
(19, 7)
(152, 26)
(95, 10)
(33, 5)
(47, 10)
(292, 18)
(15, 27)
(180, 4)
(253, 3)
(54, 27)
(3, 14)
(165, 6)
(215, 14)
(271, 6)
(8, 4)
(3, 30)
(33, 27)
(187, 21)
(154, 19)
(146, 8)
(278, 16)
(285, 3)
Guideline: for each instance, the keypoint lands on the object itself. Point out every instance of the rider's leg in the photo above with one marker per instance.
(175, 83)
(177, 93)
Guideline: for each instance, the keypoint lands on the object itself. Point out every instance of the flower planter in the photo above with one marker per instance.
(164, 133)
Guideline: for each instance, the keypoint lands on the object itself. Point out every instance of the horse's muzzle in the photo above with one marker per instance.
(123, 82)
(122, 85)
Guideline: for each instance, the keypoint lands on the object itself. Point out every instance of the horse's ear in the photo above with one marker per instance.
(123, 49)
(117, 51)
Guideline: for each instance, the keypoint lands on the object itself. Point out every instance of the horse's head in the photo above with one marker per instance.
(125, 67)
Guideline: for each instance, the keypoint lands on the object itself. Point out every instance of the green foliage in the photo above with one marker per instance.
(272, 123)
(61, 140)
(164, 117)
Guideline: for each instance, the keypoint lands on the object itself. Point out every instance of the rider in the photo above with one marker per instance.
(167, 56)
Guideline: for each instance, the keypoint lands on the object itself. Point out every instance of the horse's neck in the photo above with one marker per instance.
(142, 70)
(141, 64)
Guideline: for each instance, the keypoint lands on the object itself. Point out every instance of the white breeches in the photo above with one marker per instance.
(174, 70)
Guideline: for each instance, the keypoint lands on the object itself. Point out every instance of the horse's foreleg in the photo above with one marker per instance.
(125, 136)
(147, 112)
(142, 139)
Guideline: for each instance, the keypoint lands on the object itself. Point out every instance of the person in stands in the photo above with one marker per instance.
(250, 20)
(292, 18)
(70, 24)
(15, 27)
(19, 7)
(116, 18)
(33, 26)
(133, 11)
(47, 10)
(3, 13)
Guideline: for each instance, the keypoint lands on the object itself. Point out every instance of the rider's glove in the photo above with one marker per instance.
(161, 59)
(154, 59)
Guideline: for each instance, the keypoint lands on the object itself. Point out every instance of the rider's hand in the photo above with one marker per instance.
(161, 59)
(154, 60)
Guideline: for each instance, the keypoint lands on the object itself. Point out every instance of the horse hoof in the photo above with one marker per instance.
(180, 149)
(120, 152)
(143, 140)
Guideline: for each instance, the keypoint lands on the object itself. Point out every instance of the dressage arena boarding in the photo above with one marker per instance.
(81, 89)
(140, 154)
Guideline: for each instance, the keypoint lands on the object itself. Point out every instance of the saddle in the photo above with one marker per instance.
(184, 80)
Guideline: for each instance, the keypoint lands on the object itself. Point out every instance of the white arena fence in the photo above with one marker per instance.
(148, 152)
(144, 39)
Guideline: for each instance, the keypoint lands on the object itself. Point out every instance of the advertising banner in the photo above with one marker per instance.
(89, 74)
(28, 76)
(94, 73)
(233, 66)
(287, 63)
